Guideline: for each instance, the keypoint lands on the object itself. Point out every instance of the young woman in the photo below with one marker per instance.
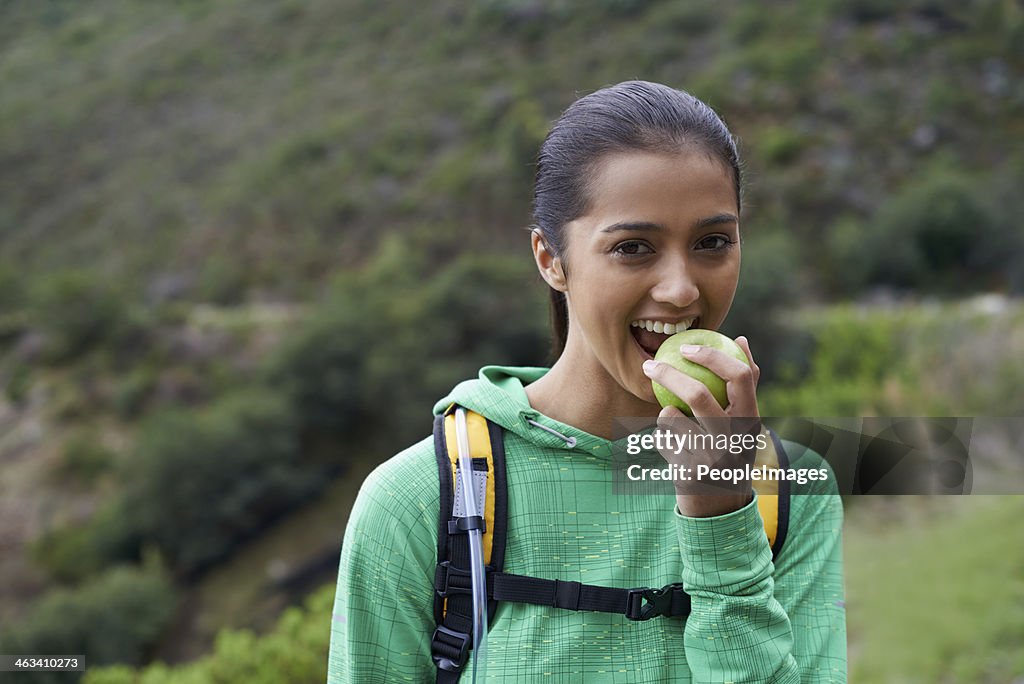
(637, 221)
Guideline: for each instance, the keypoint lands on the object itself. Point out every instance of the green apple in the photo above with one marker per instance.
(669, 353)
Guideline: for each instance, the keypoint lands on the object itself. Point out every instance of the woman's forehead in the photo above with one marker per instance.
(689, 185)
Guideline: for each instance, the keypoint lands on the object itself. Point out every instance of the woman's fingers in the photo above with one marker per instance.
(740, 378)
(669, 412)
(671, 418)
(694, 392)
(725, 366)
(745, 345)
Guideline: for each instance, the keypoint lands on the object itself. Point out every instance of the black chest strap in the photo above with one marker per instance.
(642, 603)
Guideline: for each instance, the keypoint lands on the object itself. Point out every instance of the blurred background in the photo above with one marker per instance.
(244, 246)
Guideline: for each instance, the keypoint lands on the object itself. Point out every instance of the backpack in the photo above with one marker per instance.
(452, 640)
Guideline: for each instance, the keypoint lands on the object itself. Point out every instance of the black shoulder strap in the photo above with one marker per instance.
(453, 600)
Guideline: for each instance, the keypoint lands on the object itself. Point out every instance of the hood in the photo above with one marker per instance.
(499, 394)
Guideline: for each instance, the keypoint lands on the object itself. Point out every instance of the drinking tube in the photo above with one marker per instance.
(470, 507)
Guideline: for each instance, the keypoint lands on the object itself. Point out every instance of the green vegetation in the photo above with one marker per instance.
(203, 483)
(77, 311)
(941, 233)
(931, 359)
(937, 593)
(256, 241)
(902, 577)
(426, 316)
(203, 480)
(115, 618)
(231, 150)
(917, 612)
(294, 652)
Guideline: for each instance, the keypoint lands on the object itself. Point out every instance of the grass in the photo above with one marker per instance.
(935, 589)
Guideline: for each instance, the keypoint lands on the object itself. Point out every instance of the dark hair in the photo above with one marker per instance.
(633, 115)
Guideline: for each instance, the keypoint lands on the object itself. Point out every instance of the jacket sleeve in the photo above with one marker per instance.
(755, 621)
(383, 610)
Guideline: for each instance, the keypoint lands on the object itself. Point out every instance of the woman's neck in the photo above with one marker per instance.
(579, 392)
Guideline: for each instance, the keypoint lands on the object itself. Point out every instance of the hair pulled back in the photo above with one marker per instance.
(628, 117)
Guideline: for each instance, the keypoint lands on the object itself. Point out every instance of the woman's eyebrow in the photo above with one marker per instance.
(647, 225)
(632, 225)
(717, 219)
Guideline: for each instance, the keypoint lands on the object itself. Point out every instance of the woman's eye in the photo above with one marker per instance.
(716, 242)
(633, 248)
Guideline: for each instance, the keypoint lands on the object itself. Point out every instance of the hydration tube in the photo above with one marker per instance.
(476, 551)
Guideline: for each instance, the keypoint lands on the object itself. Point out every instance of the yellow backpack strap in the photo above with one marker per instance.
(479, 447)
(773, 495)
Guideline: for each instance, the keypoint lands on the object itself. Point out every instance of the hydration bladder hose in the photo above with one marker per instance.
(471, 508)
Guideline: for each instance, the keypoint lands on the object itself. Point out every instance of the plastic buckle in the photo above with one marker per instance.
(659, 601)
(449, 639)
(463, 524)
(447, 589)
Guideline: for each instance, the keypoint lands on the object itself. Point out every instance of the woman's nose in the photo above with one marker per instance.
(675, 286)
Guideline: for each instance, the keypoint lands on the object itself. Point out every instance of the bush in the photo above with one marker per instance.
(391, 339)
(849, 259)
(936, 235)
(115, 618)
(480, 309)
(945, 233)
(850, 362)
(84, 457)
(939, 359)
(201, 483)
(73, 553)
(133, 391)
(204, 481)
(320, 368)
(19, 381)
(295, 652)
(12, 302)
(76, 310)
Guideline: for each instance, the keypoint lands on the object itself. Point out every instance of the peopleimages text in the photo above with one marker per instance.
(704, 473)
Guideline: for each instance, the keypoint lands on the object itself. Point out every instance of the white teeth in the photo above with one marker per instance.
(662, 327)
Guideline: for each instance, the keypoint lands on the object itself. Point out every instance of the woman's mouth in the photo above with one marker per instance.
(649, 334)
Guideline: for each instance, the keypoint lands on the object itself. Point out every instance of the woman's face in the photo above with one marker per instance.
(658, 247)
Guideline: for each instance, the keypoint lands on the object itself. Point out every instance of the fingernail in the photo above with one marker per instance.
(650, 365)
(689, 348)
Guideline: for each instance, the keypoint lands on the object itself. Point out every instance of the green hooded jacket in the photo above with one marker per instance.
(751, 620)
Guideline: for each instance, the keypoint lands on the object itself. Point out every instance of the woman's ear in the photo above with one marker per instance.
(549, 265)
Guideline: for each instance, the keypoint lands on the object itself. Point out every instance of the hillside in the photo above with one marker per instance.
(232, 235)
(241, 150)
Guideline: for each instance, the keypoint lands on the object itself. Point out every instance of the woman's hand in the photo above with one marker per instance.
(703, 497)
